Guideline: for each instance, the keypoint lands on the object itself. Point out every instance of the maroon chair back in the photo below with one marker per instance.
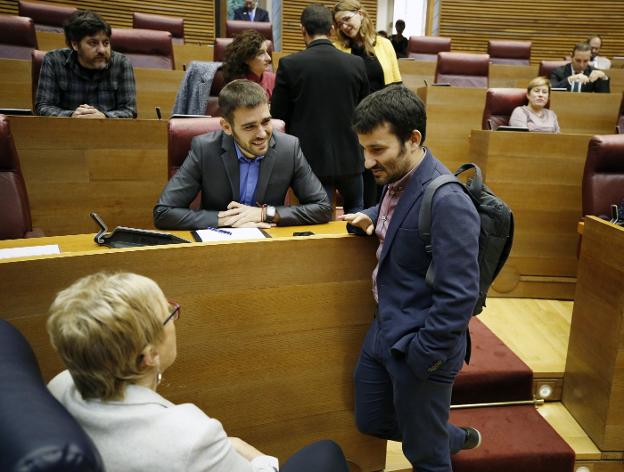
(17, 37)
(235, 27)
(221, 43)
(181, 131)
(46, 17)
(603, 177)
(504, 51)
(463, 69)
(619, 127)
(15, 219)
(499, 104)
(150, 49)
(37, 59)
(173, 24)
(426, 48)
(547, 67)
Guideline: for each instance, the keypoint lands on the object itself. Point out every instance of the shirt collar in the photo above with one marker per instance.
(244, 159)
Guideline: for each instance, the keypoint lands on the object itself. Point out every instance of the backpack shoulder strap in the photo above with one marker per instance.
(424, 215)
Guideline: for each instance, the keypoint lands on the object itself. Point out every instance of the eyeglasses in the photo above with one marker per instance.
(175, 312)
(345, 19)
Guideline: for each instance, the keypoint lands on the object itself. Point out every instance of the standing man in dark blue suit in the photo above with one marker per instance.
(417, 341)
(251, 12)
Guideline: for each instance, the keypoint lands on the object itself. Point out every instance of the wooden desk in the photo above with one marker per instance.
(116, 168)
(155, 87)
(539, 176)
(415, 73)
(594, 388)
(452, 112)
(268, 339)
(513, 76)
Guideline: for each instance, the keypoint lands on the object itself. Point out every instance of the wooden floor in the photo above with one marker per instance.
(537, 331)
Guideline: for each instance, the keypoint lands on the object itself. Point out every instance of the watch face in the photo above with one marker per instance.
(270, 213)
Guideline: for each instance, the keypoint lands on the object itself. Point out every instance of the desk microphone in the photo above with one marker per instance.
(158, 114)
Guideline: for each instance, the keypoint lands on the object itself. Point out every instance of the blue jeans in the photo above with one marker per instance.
(391, 403)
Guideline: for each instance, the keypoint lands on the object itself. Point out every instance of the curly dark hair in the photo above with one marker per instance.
(244, 47)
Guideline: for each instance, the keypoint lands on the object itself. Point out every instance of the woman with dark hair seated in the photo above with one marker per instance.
(116, 335)
(247, 57)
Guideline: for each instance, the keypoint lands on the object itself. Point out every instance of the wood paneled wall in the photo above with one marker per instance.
(291, 14)
(199, 15)
(554, 26)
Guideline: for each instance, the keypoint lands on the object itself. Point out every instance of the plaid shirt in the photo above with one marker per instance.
(64, 85)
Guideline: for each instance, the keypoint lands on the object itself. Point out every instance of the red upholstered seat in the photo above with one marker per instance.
(15, 221)
(499, 104)
(144, 48)
(547, 67)
(17, 37)
(426, 48)
(221, 43)
(37, 59)
(46, 17)
(462, 69)
(515, 439)
(503, 51)
(173, 24)
(603, 176)
(234, 27)
(495, 373)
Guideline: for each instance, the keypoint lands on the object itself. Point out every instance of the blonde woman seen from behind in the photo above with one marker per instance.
(535, 116)
(116, 335)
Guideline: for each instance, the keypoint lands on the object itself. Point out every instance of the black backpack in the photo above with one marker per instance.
(497, 227)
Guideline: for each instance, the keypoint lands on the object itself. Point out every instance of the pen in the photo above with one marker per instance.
(217, 230)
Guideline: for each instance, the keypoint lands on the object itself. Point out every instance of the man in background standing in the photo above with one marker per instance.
(316, 92)
(251, 12)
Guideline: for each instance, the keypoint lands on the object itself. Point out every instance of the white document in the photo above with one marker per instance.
(29, 251)
(229, 234)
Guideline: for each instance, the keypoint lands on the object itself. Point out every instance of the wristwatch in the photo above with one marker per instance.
(270, 214)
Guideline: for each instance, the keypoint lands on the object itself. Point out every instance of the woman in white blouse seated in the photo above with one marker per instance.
(535, 115)
(116, 335)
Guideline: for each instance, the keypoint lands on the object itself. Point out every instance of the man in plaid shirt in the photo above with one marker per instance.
(86, 80)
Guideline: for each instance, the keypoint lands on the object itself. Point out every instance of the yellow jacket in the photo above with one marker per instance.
(385, 55)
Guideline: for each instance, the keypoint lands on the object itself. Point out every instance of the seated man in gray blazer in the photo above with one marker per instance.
(243, 172)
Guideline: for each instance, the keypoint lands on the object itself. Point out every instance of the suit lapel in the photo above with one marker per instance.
(230, 163)
(413, 191)
(266, 168)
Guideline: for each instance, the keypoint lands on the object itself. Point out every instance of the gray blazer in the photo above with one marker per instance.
(212, 168)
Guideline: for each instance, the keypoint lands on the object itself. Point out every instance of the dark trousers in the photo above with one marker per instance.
(350, 187)
(321, 456)
(392, 403)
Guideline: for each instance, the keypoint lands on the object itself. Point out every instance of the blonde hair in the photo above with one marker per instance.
(539, 82)
(367, 30)
(100, 326)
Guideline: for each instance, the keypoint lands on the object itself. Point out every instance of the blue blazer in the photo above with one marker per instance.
(427, 325)
(261, 15)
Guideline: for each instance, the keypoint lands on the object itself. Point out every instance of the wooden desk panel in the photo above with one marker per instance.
(513, 76)
(594, 383)
(539, 176)
(114, 167)
(415, 73)
(589, 113)
(49, 40)
(267, 343)
(15, 90)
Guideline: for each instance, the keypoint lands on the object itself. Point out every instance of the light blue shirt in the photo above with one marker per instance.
(249, 170)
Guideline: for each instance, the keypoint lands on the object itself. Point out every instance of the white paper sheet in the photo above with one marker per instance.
(29, 251)
(229, 234)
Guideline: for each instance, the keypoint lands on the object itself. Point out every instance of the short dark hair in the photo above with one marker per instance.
(399, 24)
(84, 23)
(240, 93)
(317, 19)
(396, 105)
(582, 47)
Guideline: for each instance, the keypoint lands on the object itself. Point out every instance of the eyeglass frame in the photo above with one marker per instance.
(346, 19)
(175, 313)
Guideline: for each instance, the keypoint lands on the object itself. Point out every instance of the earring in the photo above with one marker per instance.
(158, 377)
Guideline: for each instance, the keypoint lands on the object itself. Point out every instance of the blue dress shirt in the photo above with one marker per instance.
(249, 170)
